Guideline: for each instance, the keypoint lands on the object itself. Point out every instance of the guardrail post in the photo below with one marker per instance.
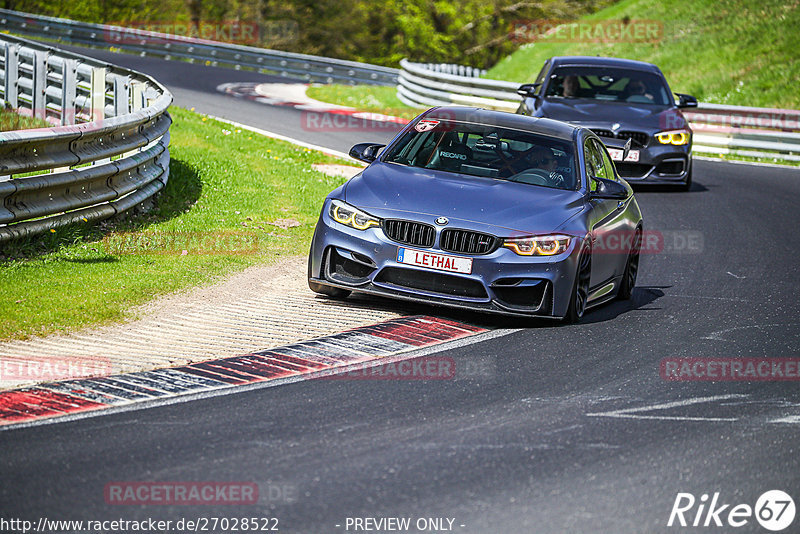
(69, 83)
(39, 85)
(97, 94)
(121, 96)
(137, 96)
(136, 92)
(12, 72)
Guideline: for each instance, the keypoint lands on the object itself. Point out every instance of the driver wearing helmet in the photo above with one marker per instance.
(543, 158)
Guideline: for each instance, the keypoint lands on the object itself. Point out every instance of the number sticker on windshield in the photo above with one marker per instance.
(425, 125)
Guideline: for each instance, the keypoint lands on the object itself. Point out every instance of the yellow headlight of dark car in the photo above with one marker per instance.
(348, 215)
(674, 137)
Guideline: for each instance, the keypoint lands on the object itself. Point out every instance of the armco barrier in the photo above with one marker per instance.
(763, 133)
(303, 66)
(107, 153)
(744, 131)
(422, 85)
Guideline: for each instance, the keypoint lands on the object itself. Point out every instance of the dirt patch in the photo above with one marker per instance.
(348, 171)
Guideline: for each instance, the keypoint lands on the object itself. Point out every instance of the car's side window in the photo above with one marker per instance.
(545, 68)
(607, 163)
(595, 166)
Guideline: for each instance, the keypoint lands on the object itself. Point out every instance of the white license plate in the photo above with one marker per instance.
(431, 260)
(616, 155)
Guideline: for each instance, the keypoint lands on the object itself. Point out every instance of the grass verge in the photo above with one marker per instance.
(225, 188)
(11, 120)
(372, 98)
(748, 159)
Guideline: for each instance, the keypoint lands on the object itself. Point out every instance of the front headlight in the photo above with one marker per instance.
(346, 214)
(674, 137)
(542, 245)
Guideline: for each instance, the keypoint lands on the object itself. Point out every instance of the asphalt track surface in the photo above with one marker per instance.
(549, 428)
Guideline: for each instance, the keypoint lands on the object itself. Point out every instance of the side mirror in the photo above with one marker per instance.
(609, 189)
(528, 89)
(366, 152)
(686, 101)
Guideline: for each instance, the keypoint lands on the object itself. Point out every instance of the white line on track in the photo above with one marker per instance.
(792, 419)
(631, 413)
(718, 334)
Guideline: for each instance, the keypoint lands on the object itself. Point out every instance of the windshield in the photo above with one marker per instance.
(609, 84)
(488, 151)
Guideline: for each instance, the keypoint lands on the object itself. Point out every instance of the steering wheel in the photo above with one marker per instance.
(533, 177)
(505, 163)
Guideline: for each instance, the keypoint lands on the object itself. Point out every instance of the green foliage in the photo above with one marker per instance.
(733, 52)
(473, 32)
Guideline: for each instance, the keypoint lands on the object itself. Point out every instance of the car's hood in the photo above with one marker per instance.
(389, 190)
(594, 113)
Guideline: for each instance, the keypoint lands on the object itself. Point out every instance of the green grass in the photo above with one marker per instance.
(219, 182)
(736, 52)
(10, 121)
(373, 98)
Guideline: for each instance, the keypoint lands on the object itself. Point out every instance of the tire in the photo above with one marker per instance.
(687, 185)
(580, 289)
(316, 287)
(631, 268)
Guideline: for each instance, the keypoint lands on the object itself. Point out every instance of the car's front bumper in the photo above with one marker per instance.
(500, 282)
(658, 164)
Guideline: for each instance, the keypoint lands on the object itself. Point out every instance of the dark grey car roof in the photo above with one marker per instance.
(592, 61)
(503, 119)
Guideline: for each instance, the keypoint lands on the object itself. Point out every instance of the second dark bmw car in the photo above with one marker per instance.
(619, 100)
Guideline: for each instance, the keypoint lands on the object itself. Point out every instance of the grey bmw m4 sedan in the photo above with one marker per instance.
(484, 210)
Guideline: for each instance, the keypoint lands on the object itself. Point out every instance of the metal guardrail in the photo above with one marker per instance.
(425, 85)
(107, 154)
(304, 66)
(743, 131)
(763, 133)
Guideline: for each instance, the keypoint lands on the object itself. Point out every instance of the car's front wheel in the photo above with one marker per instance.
(580, 290)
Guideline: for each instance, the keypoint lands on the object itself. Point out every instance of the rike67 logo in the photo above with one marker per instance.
(774, 510)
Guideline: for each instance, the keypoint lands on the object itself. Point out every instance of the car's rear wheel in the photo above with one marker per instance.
(631, 268)
(580, 290)
(316, 287)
